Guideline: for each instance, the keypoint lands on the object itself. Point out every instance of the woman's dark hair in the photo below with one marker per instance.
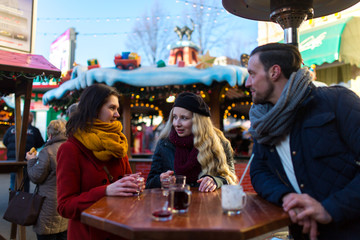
(287, 56)
(91, 101)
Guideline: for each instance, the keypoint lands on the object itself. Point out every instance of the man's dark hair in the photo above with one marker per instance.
(91, 101)
(287, 56)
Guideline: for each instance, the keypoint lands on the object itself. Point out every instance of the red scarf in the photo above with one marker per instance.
(185, 162)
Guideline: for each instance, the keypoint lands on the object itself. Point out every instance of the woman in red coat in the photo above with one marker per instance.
(93, 161)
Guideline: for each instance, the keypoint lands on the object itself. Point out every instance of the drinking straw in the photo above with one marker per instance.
(247, 166)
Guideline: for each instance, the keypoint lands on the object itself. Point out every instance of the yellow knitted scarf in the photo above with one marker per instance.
(105, 140)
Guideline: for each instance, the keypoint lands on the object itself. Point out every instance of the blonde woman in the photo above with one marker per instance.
(42, 171)
(190, 145)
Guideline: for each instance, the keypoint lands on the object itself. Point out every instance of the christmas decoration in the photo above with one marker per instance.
(205, 61)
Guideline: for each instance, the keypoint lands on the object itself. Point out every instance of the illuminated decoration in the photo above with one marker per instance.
(207, 9)
(170, 99)
(37, 79)
(141, 112)
(203, 6)
(6, 114)
(237, 110)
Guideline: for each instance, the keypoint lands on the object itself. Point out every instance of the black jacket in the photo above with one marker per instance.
(324, 147)
(33, 139)
(163, 160)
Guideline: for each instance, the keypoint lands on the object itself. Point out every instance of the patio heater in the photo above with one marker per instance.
(288, 13)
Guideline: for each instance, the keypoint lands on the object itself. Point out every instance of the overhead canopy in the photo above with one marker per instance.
(337, 41)
(148, 77)
(260, 10)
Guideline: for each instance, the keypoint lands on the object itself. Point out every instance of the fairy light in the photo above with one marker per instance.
(115, 19)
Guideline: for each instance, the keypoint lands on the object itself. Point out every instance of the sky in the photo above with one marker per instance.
(103, 26)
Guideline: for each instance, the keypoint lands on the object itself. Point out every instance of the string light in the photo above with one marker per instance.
(128, 19)
(201, 6)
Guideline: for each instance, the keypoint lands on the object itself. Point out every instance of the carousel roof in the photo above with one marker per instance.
(148, 76)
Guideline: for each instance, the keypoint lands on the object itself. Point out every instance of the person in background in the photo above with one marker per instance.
(33, 139)
(71, 109)
(190, 145)
(42, 171)
(306, 150)
(93, 161)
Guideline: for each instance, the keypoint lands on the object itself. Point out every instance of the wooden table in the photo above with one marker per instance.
(131, 218)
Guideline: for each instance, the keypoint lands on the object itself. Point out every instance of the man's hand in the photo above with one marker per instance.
(306, 211)
(309, 207)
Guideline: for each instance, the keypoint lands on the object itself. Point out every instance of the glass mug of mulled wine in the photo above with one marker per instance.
(180, 197)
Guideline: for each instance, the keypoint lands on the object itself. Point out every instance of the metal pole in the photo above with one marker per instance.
(291, 36)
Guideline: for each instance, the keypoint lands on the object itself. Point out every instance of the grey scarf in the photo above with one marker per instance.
(270, 122)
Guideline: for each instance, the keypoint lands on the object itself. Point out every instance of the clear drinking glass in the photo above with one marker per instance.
(138, 180)
(180, 179)
(160, 205)
(166, 182)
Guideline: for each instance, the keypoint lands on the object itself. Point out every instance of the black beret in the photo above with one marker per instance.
(192, 102)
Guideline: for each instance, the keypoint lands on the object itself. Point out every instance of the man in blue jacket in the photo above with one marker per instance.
(306, 151)
(33, 139)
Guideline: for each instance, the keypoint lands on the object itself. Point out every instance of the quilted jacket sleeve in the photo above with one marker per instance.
(39, 168)
(344, 205)
(268, 184)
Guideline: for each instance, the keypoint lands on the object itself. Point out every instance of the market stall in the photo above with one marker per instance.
(152, 86)
(17, 72)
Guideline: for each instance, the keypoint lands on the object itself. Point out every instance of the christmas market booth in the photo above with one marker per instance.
(151, 90)
(17, 72)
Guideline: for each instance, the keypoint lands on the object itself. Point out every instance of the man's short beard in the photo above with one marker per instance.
(266, 96)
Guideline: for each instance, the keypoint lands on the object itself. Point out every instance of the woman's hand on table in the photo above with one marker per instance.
(125, 187)
(207, 184)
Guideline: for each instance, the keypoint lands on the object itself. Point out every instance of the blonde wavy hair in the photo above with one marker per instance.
(208, 141)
